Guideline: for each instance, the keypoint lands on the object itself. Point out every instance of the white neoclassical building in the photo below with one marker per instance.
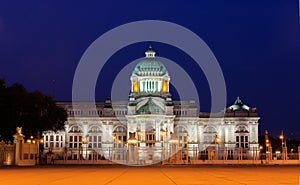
(150, 126)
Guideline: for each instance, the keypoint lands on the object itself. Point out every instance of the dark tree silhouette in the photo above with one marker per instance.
(33, 111)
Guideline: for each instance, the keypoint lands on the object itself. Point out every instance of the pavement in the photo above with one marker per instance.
(152, 175)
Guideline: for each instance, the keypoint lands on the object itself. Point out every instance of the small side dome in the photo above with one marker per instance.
(238, 105)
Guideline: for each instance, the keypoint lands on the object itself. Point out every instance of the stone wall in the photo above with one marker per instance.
(7, 154)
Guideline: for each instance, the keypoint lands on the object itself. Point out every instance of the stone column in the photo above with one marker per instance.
(18, 142)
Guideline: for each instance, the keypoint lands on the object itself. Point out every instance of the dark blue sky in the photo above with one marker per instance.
(257, 44)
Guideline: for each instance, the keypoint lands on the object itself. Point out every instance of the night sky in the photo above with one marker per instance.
(257, 44)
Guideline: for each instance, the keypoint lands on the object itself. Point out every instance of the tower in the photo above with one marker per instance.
(150, 107)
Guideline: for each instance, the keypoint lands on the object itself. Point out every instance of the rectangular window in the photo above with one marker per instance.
(57, 138)
(125, 138)
(246, 138)
(75, 145)
(61, 138)
(46, 138)
(51, 144)
(242, 138)
(95, 138)
(57, 144)
(90, 138)
(75, 138)
(99, 145)
(80, 138)
(25, 156)
(95, 145)
(70, 145)
(71, 138)
(237, 139)
(51, 138)
(99, 138)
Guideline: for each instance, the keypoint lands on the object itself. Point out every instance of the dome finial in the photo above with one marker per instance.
(150, 53)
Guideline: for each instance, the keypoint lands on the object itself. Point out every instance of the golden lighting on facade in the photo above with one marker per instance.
(165, 86)
(135, 86)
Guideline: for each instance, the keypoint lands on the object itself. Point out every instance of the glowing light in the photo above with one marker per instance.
(165, 86)
(281, 137)
(135, 86)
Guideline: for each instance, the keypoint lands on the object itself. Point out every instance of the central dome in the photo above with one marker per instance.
(150, 66)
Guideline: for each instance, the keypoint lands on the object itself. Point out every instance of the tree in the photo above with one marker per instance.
(33, 111)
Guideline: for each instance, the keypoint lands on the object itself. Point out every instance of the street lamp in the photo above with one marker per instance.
(283, 146)
(85, 146)
(132, 142)
(140, 136)
(268, 146)
(260, 151)
(173, 142)
(217, 141)
(187, 149)
(165, 133)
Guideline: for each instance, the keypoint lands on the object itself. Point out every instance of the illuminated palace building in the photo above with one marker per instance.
(150, 126)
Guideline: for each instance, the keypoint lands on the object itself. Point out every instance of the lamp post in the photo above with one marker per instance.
(217, 141)
(187, 149)
(132, 142)
(114, 146)
(268, 146)
(166, 147)
(162, 134)
(260, 151)
(84, 146)
(173, 142)
(283, 146)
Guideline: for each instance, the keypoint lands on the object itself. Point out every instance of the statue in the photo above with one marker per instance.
(19, 130)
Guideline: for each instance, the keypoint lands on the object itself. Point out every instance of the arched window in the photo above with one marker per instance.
(150, 137)
(242, 136)
(119, 136)
(209, 135)
(95, 137)
(182, 135)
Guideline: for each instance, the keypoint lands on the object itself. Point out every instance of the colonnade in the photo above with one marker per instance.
(150, 85)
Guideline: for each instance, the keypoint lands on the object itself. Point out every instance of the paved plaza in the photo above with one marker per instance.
(154, 175)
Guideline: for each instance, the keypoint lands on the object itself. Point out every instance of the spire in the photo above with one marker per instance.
(238, 101)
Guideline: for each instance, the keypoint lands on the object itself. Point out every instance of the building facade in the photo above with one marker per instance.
(150, 126)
